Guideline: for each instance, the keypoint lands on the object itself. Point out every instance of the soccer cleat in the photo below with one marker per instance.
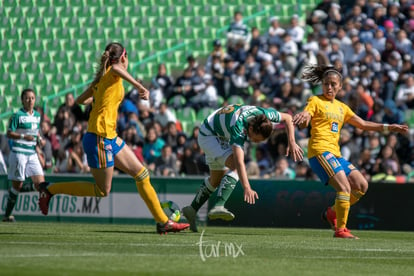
(44, 197)
(171, 226)
(9, 219)
(330, 216)
(190, 214)
(344, 233)
(220, 212)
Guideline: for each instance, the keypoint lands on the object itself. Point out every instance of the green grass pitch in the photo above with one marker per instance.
(108, 249)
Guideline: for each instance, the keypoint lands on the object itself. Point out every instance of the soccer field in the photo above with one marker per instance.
(108, 249)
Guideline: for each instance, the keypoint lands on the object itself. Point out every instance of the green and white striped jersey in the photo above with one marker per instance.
(24, 123)
(230, 123)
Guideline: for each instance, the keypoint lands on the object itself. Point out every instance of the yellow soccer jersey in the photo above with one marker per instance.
(107, 96)
(327, 121)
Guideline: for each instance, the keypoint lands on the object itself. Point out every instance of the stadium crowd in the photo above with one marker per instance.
(371, 41)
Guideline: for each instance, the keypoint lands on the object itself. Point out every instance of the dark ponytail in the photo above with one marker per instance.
(112, 54)
(314, 73)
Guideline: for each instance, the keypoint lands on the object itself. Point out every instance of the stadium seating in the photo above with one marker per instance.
(50, 47)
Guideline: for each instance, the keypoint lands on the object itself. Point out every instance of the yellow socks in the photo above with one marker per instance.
(342, 205)
(78, 188)
(149, 195)
(355, 196)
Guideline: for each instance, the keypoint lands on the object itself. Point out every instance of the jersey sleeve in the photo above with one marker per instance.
(237, 136)
(13, 122)
(273, 115)
(348, 113)
(311, 105)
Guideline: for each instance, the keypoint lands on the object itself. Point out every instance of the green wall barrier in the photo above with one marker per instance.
(281, 203)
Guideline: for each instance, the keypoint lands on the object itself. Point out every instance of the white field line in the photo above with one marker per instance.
(43, 255)
(391, 250)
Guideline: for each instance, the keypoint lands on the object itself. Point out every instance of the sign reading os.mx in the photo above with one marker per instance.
(64, 205)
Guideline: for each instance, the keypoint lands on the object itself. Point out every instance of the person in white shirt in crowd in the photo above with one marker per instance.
(164, 115)
(275, 32)
(402, 42)
(405, 93)
(238, 31)
(295, 30)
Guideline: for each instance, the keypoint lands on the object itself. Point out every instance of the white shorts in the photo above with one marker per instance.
(22, 166)
(217, 151)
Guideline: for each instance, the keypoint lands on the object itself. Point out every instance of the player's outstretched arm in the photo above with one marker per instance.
(293, 149)
(358, 122)
(302, 119)
(250, 195)
(123, 73)
(86, 97)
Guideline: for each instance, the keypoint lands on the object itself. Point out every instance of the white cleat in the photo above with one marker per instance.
(220, 212)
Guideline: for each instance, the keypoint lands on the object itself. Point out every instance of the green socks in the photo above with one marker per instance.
(202, 195)
(27, 187)
(11, 201)
(227, 186)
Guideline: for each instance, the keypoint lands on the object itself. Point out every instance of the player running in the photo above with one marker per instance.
(103, 147)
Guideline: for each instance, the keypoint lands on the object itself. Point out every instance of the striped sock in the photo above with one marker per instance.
(356, 196)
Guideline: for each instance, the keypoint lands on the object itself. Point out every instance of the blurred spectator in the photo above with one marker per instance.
(164, 115)
(392, 114)
(387, 161)
(132, 139)
(282, 169)
(263, 160)
(76, 157)
(166, 164)
(405, 93)
(164, 81)
(73, 107)
(49, 133)
(238, 82)
(303, 171)
(402, 43)
(152, 146)
(183, 85)
(217, 53)
(257, 39)
(296, 31)
(64, 121)
(192, 64)
(366, 163)
(171, 134)
(238, 31)
(45, 153)
(190, 160)
(207, 97)
(275, 31)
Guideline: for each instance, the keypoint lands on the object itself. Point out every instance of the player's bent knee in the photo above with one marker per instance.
(101, 192)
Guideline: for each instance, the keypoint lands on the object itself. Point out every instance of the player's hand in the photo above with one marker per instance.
(296, 152)
(250, 196)
(403, 129)
(143, 93)
(302, 118)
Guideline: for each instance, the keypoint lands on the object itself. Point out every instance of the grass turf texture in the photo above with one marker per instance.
(107, 249)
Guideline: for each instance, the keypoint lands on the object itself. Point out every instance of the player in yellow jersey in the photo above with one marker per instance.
(327, 117)
(103, 147)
